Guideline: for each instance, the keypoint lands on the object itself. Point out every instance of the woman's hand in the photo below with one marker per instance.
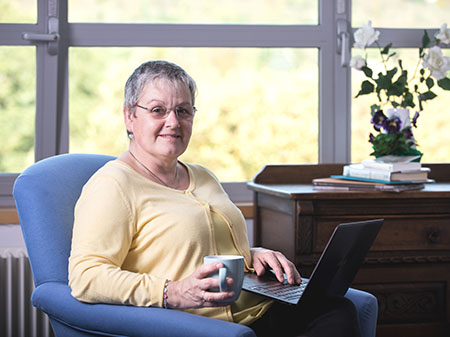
(192, 292)
(263, 258)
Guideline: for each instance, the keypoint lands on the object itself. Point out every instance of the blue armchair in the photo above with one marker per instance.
(45, 195)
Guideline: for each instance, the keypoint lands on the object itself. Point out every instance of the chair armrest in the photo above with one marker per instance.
(55, 299)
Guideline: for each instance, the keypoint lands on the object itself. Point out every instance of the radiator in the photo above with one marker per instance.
(18, 318)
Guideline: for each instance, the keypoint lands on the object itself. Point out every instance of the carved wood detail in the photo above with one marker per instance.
(409, 303)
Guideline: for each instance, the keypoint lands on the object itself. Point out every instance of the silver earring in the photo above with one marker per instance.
(130, 135)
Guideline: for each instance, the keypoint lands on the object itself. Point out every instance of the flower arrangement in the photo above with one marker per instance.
(396, 90)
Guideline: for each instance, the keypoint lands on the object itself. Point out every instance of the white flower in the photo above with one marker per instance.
(357, 62)
(365, 36)
(436, 62)
(444, 34)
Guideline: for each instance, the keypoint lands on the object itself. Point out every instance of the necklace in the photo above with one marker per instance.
(155, 176)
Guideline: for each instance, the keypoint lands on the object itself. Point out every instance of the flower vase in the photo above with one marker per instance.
(402, 114)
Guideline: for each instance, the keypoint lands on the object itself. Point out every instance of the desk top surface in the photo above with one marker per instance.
(295, 181)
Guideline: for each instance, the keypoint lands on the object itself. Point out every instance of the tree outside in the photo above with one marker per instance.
(255, 105)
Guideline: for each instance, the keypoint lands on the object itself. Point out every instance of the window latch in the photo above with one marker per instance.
(343, 40)
(52, 38)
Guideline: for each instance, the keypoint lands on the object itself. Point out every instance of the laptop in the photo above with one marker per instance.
(333, 273)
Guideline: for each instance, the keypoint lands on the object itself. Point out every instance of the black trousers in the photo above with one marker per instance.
(331, 316)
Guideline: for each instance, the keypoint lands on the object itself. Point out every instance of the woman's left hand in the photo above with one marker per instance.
(263, 258)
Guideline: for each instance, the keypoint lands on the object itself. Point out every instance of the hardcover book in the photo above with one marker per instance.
(392, 163)
(360, 171)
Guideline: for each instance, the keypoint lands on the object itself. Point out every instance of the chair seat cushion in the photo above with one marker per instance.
(55, 299)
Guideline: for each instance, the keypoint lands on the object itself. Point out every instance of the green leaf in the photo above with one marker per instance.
(444, 83)
(429, 82)
(390, 55)
(391, 73)
(398, 87)
(367, 71)
(374, 108)
(385, 50)
(366, 88)
(408, 100)
(425, 39)
(385, 81)
(427, 96)
(393, 144)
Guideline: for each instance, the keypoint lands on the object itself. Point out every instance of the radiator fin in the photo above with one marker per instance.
(18, 317)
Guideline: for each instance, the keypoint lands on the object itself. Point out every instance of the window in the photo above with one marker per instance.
(18, 11)
(17, 104)
(433, 123)
(271, 85)
(245, 97)
(284, 12)
(405, 13)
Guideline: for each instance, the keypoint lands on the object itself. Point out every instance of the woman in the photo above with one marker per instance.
(145, 221)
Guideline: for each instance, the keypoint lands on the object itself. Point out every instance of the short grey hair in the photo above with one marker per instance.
(148, 72)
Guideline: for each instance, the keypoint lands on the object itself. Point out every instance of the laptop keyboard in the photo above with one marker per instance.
(282, 290)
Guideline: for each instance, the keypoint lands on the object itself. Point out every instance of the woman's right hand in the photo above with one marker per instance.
(192, 292)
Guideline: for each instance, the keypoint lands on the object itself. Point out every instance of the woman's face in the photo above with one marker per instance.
(162, 139)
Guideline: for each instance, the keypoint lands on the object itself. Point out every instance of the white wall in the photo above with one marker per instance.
(11, 236)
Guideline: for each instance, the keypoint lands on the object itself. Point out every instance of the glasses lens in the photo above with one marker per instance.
(159, 113)
(186, 113)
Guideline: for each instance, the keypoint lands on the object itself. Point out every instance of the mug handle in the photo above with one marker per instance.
(223, 279)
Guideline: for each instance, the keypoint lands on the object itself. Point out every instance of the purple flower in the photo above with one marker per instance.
(371, 138)
(408, 133)
(393, 125)
(414, 120)
(378, 120)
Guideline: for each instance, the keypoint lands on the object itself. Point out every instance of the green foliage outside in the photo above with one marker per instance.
(196, 11)
(17, 107)
(249, 102)
(256, 106)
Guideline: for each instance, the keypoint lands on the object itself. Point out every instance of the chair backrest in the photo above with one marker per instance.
(45, 195)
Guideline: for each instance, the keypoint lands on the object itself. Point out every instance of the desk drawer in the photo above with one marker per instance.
(405, 233)
(375, 207)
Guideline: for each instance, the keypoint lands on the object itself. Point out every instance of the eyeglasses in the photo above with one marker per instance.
(160, 112)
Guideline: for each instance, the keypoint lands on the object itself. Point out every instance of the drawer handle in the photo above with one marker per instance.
(434, 235)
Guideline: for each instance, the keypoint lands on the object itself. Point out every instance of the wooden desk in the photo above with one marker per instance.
(408, 266)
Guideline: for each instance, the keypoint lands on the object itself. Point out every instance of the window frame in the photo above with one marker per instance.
(52, 122)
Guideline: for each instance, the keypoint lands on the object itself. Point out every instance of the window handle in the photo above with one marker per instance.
(343, 38)
(40, 37)
(52, 38)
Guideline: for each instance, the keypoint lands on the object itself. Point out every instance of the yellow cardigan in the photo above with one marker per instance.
(131, 234)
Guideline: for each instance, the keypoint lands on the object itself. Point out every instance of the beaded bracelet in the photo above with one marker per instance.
(165, 296)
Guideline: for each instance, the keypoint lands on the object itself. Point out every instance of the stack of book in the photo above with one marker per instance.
(377, 175)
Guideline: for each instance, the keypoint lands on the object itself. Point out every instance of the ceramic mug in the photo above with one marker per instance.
(233, 268)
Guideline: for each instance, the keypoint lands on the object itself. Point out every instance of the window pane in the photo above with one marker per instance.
(404, 14)
(18, 11)
(255, 106)
(433, 124)
(199, 11)
(17, 107)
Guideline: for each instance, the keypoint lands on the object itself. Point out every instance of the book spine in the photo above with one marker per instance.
(366, 173)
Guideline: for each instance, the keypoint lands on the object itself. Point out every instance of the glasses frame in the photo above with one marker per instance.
(190, 118)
